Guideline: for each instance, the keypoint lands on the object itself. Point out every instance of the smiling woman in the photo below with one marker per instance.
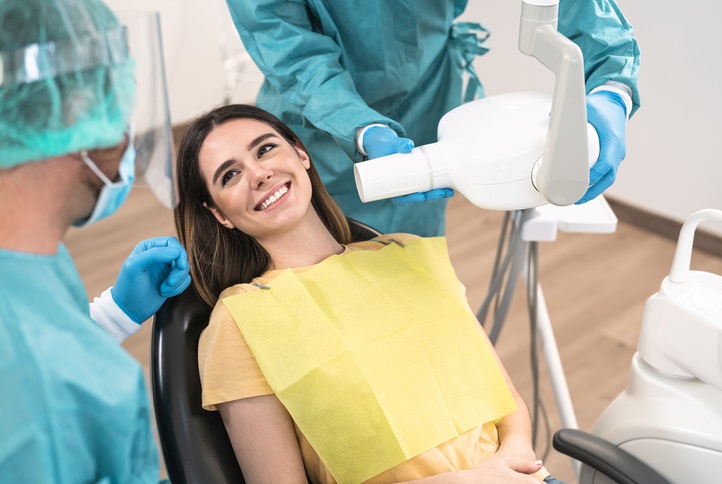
(332, 361)
(258, 188)
(233, 158)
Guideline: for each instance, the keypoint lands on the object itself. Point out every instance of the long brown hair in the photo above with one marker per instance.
(219, 257)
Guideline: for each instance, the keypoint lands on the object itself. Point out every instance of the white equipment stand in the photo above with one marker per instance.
(541, 224)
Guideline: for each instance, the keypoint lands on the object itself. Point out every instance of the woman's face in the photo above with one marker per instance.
(257, 179)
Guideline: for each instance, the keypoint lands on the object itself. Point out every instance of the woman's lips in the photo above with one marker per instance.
(275, 197)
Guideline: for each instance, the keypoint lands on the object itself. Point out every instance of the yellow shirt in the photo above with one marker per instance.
(230, 372)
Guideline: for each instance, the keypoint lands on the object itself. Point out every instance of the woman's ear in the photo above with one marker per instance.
(303, 156)
(220, 217)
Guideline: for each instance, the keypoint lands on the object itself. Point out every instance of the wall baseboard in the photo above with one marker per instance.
(703, 240)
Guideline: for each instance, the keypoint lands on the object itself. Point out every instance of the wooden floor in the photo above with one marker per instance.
(595, 288)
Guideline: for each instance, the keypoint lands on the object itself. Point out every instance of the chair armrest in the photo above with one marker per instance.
(612, 461)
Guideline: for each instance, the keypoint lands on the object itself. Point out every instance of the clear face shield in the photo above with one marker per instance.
(151, 117)
(84, 112)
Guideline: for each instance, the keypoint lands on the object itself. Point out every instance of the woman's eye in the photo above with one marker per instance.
(265, 149)
(228, 176)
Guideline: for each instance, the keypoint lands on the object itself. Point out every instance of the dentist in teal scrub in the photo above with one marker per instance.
(358, 80)
(74, 406)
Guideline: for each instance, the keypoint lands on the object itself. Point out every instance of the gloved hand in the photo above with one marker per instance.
(156, 270)
(607, 112)
(381, 141)
(418, 197)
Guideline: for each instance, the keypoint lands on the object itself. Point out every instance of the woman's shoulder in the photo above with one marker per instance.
(382, 240)
(221, 324)
(235, 290)
(220, 313)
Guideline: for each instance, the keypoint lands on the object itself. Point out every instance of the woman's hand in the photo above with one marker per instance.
(505, 467)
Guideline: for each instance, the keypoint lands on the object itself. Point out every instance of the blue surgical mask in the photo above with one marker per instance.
(113, 194)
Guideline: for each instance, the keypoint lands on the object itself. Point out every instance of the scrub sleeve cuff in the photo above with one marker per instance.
(361, 132)
(108, 315)
(622, 90)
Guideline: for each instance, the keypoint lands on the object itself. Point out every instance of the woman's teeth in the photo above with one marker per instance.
(272, 199)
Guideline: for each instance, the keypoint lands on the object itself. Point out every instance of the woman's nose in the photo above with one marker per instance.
(261, 173)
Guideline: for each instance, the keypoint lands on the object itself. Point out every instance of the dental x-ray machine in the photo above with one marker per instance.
(512, 151)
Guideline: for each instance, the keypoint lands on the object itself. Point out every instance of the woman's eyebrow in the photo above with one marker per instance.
(259, 140)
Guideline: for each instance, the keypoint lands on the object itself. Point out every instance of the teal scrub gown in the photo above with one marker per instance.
(74, 406)
(332, 66)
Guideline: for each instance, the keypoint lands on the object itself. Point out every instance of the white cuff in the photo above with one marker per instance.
(360, 132)
(108, 315)
(621, 89)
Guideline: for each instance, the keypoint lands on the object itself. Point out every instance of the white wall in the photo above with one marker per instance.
(195, 36)
(673, 165)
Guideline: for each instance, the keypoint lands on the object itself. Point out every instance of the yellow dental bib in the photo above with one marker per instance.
(375, 355)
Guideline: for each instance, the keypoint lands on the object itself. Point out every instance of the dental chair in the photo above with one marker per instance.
(194, 442)
(604, 462)
(195, 445)
(669, 415)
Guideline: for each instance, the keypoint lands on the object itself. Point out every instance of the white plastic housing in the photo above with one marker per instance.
(682, 325)
(534, 14)
(488, 150)
(393, 175)
(673, 425)
(682, 329)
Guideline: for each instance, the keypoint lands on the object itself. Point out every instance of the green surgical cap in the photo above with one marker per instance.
(66, 79)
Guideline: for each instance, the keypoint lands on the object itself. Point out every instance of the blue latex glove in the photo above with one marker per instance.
(381, 141)
(418, 197)
(607, 112)
(156, 270)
